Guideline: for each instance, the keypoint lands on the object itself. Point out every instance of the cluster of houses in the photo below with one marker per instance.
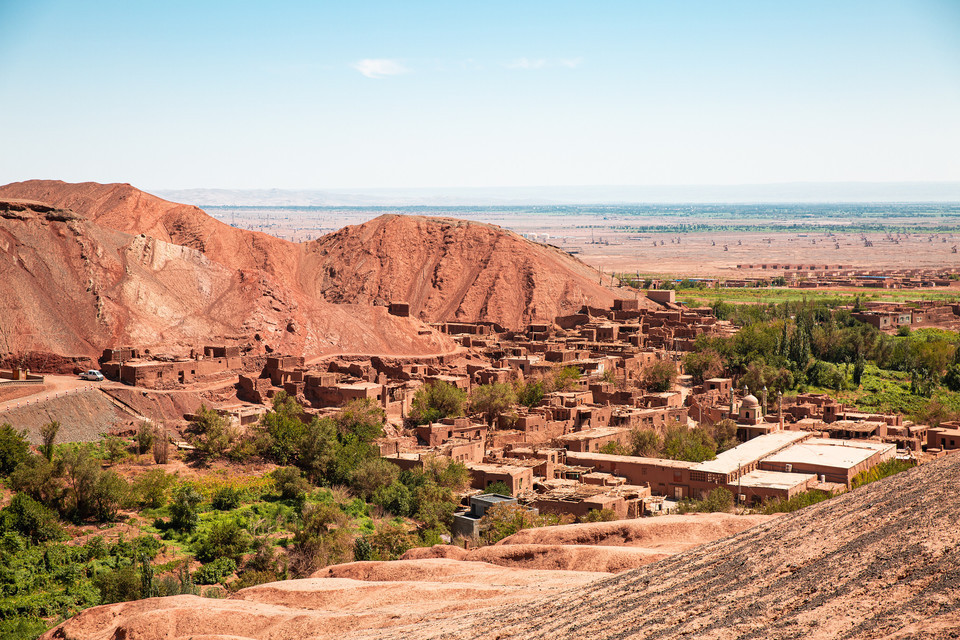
(555, 456)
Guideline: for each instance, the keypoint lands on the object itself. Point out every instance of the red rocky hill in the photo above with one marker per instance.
(450, 269)
(446, 269)
(71, 286)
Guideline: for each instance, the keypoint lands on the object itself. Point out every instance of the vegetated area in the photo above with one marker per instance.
(815, 345)
(120, 520)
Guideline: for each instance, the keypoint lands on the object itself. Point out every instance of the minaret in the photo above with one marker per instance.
(780, 407)
(763, 404)
(733, 410)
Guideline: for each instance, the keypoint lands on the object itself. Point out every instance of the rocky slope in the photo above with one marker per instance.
(878, 562)
(449, 269)
(446, 269)
(71, 286)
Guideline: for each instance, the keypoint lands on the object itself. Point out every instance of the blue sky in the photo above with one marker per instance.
(446, 94)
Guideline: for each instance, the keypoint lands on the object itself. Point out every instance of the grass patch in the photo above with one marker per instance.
(798, 501)
(882, 470)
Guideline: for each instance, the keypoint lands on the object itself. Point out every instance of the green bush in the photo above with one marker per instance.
(798, 501)
(290, 483)
(14, 448)
(224, 539)
(226, 499)
(151, 488)
(215, 571)
(436, 401)
(882, 470)
(183, 511)
(499, 487)
(30, 519)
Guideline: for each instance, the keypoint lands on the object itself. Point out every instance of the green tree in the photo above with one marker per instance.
(224, 539)
(565, 379)
(436, 401)
(372, 474)
(48, 434)
(40, 479)
(290, 483)
(499, 487)
(213, 434)
(660, 375)
(282, 431)
(144, 437)
(702, 365)
(646, 443)
(14, 448)
(322, 539)
(362, 418)
(183, 511)
(724, 433)
(30, 519)
(530, 393)
(491, 400)
(692, 445)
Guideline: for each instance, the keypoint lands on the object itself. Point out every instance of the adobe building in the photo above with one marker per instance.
(594, 439)
(517, 478)
(836, 461)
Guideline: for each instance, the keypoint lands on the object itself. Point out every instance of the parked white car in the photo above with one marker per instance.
(92, 374)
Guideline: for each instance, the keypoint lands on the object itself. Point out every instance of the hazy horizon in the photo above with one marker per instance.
(775, 193)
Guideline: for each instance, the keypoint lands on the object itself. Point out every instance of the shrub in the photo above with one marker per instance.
(144, 437)
(116, 449)
(362, 550)
(224, 539)
(30, 519)
(436, 401)
(48, 434)
(183, 511)
(161, 446)
(14, 448)
(491, 400)
(390, 541)
(880, 471)
(372, 474)
(151, 488)
(118, 585)
(226, 499)
(362, 418)
(499, 487)
(599, 515)
(798, 501)
(215, 571)
(290, 483)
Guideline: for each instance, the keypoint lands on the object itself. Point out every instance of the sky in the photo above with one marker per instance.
(354, 95)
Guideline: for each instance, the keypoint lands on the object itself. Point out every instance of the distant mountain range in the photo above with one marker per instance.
(519, 196)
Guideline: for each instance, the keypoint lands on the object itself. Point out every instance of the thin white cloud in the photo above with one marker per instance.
(377, 68)
(527, 63)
